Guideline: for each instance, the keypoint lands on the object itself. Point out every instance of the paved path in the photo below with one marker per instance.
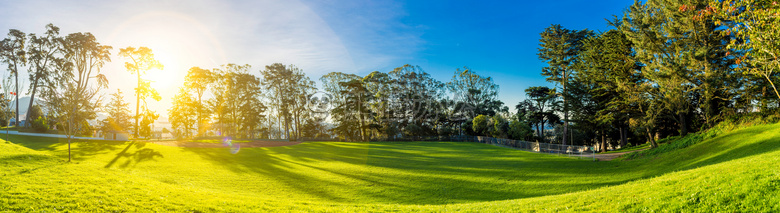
(48, 135)
(610, 156)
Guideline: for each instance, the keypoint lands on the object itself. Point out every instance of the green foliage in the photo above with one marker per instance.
(40, 124)
(500, 127)
(147, 119)
(475, 90)
(520, 131)
(414, 130)
(288, 88)
(34, 113)
(754, 27)
(84, 129)
(118, 114)
(480, 125)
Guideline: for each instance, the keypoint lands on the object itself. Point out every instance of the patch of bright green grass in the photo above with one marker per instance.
(737, 171)
(642, 146)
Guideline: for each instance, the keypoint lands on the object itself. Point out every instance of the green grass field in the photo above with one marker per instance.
(736, 171)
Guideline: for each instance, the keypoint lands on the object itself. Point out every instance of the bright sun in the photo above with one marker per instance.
(170, 71)
(177, 41)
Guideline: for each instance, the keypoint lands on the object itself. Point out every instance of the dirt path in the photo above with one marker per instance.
(219, 145)
(610, 156)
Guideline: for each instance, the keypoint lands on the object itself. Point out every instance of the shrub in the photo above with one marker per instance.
(480, 125)
(40, 124)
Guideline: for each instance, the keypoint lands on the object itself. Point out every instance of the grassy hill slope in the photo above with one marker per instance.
(736, 171)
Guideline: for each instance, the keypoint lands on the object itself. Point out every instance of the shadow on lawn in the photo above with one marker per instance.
(261, 161)
(406, 173)
(444, 172)
(139, 155)
(732, 146)
(80, 149)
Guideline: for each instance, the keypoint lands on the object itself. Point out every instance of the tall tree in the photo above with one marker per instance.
(288, 88)
(229, 80)
(334, 84)
(72, 97)
(198, 81)
(661, 52)
(12, 53)
(475, 90)
(417, 96)
(544, 100)
(141, 60)
(559, 48)
(379, 87)
(45, 53)
(183, 113)
(684, 54)
(606, 61)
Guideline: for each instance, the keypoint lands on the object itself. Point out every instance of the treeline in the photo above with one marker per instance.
(282, 102)
(64, 72)
(669, 67)
(65, 79)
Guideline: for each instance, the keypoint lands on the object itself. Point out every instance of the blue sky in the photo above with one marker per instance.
(494, 38)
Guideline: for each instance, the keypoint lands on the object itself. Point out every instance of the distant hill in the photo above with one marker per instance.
(24, 102)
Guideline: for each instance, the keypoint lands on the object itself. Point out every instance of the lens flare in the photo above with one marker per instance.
(234, 149)
(227, 142)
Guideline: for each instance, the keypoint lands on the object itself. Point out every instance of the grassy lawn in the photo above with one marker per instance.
(737, 171)
(207, 140)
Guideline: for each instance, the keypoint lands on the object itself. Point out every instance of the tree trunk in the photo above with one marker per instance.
(603, 141)
(137, 101)
(623, 133)
(773, 85)
(16, 88)
(70, 131)
(651, 138)
(538, 132)
(32, 99)
(683, 126)
(541, 133)
(200, 117)
(565, 110)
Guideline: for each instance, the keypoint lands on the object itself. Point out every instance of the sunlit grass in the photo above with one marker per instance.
(725, 174)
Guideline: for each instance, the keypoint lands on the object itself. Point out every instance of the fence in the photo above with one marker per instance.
(548, 148)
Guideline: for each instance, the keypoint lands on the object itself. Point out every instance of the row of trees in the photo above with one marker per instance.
(65, 71)
(65, 75)
(231, 101)
(279, 103)
(668, 68)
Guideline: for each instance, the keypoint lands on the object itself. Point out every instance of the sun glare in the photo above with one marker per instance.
(178, 43)
(161, 78)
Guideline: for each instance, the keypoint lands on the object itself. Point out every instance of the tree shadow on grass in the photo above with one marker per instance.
(34, 143)
(408, 173)
(261, 162)
(26, 163)
(135, 156)
(80, 149)
(733, 146)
